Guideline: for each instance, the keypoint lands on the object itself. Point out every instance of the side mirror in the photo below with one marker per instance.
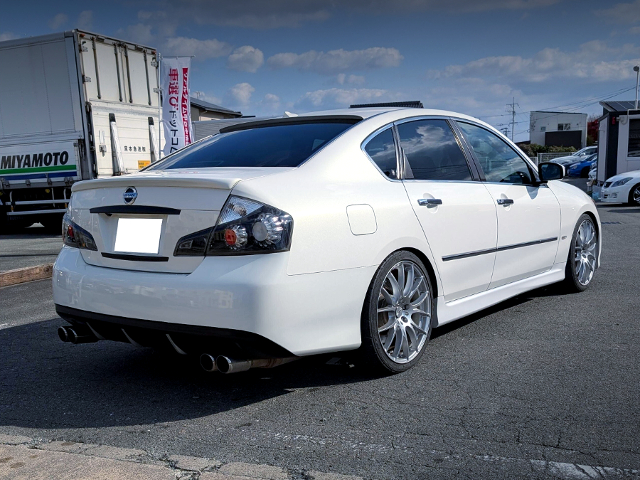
(551, 171)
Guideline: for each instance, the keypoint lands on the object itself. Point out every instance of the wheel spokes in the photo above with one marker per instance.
(404, 294)
(408, 284)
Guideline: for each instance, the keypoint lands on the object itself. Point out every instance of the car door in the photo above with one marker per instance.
(456, 212)
(528, 212)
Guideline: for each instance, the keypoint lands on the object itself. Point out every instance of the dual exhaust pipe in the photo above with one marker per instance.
(79, 334)
(76, 335)
(229, 365)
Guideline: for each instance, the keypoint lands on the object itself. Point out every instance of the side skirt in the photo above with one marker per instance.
(448, 312)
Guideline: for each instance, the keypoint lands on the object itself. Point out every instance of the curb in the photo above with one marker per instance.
(27, 274)
(41, 459)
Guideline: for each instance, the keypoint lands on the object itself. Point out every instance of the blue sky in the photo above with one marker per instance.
(471, 56)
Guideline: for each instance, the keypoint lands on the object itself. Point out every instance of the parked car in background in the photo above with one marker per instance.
(581, 168)
(575, 156)
(593, 174)
(622, 188)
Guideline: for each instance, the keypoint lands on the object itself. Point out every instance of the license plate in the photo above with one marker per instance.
(138, 235)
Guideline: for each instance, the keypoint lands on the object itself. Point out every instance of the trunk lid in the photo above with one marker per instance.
(169, 205)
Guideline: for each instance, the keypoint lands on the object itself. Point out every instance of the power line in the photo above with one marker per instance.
(587, 102)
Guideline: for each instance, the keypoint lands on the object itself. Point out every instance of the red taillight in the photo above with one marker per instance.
(230, 237)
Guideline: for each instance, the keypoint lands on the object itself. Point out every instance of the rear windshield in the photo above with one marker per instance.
(273, 146)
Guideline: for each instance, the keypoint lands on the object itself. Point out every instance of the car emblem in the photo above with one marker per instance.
(130, 195)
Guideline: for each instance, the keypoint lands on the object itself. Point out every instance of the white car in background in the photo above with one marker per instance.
(622, 188)
(575, 157)
(331, 231)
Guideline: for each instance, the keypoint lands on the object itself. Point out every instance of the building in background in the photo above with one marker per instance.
(618, 139)
(558, 129)
(201, 110)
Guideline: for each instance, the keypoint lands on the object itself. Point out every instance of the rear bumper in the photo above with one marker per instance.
(303, 314)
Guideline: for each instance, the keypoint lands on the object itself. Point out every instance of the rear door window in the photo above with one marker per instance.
(267, 146)
(432, 151)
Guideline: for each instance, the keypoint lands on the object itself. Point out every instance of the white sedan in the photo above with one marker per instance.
(333, 231)
(622, 188)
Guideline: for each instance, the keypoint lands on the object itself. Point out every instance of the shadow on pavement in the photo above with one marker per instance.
(47, 384)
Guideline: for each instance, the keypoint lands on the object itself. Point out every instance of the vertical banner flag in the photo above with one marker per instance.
(176, 105)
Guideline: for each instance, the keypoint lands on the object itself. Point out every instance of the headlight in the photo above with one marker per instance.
(620, 182)
(75, 236)
(244, 227)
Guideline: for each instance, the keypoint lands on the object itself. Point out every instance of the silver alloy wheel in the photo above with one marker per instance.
(585, 250)
(404, 312)
(636, 195)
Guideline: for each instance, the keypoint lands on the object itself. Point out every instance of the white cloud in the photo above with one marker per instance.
(246, 59)
(241, 93)
(202, 49)
(138, 33)
(271, 103)
(340, 97)
(58, 21)
(85, 20)
(342, 78)
(623, 12)
(7, 36)
(594, 61)
(338, 60)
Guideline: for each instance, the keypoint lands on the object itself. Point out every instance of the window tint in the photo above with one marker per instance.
(499, 162)
(432, 151)
(275, 146)
(382, 150)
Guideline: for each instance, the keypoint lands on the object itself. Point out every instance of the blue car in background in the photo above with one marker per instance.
(581, 168)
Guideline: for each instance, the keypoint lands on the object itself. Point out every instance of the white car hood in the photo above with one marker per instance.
(219, 178)
(620, 176)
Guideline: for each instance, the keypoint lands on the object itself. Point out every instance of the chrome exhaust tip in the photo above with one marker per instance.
(63, 333)
(76, 335)
(229, 365)
(208, 363)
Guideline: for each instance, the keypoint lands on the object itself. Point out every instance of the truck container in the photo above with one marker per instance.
(73, 106)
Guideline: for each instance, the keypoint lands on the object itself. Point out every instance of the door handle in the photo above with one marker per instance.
(505, 201)
(429, 202)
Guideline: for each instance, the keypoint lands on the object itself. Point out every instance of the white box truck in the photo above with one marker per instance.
(73, 106)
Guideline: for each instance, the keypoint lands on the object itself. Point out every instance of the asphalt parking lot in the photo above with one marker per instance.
(27, 248)
(544, 385)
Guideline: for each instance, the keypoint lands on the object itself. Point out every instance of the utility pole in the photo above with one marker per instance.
(637, 70)
(505, 131)
(512, 110)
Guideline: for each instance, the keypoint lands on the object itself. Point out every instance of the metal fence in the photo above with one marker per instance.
(545, 157)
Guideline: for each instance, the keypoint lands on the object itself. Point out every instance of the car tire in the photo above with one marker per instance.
(634, 195)
(583, 255)
(585, 172)
(396, 316)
